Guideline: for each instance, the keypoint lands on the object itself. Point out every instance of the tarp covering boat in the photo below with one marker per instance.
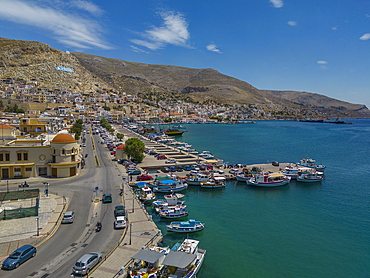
(179, 259)
(147, 256)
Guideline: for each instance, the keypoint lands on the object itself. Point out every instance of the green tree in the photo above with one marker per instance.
(120, 136)
(135, 149)
(19, 111)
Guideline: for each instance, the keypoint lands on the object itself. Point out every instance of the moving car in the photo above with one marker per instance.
(19, 256)
(84, 145)
(119, 211)
(68, 217)
(86, 263)
(107, 198)
(144, 177)
(120, 222)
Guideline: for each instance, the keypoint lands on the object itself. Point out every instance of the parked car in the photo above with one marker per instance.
(179, 168)
(144, 177)
(165, 169)
(19, 256)
(209, 167)
(120, 222)
(68, 217)
(113, 152)
(171, 160)
(107, 198)
(119, 211)
(83, 144)
(275, 163)
(161, 156)
(134, 172)
(173, 169)
(195, 167)
(187, 168)
(86, 263)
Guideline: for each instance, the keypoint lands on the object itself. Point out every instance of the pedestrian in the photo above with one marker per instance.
(130, 178)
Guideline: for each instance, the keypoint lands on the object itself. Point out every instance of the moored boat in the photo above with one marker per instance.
(173, 213)
(198, 179)
(309, 177)
(311, 163)
(168, 186)
(184, 261)
(145, 195)
(214, 182)
(173, 132)
(185, 226)
(268, 180)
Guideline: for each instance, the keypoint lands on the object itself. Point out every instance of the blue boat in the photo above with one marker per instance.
(185, 226)
(173, 213)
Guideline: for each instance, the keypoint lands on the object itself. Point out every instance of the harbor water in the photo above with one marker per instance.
(297, 230)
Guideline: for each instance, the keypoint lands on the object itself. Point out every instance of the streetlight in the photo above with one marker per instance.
(7, 186)
(37, 220)
(130, 233)
(46, 189)
(133, 204)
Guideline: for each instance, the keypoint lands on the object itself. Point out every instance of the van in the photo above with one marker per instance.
(120, 222)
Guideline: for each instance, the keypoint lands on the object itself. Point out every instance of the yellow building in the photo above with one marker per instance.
(32, 126)
(30, 158)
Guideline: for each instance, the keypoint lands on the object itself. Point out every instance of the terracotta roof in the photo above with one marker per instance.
(120, 147)
(63, 138)
(5, 126)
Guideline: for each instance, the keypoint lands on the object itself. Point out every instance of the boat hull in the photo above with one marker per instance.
(174, 216)
(268, 184)
(184, 229)
(309, 180)
(169, 189)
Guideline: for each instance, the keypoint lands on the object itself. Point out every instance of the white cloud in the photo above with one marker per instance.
(365, 37)
(68, 29)
(292, 23)
(323, 64)
(335, 28)
(87, 6)
(213, 47)
(139, 50)
(277, 3)
(174, 31)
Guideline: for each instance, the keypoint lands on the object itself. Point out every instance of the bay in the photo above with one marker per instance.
(298, 230)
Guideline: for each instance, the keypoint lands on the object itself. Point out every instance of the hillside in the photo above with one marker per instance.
(29, 60)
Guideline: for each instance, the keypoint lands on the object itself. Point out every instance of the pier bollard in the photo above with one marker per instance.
(122, 270)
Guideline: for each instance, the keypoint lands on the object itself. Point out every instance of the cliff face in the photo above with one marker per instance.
(38, 61)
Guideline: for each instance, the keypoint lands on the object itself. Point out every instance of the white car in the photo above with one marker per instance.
(171, 160)
(120, 222)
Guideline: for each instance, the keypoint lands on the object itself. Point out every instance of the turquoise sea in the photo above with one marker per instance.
(298, 230)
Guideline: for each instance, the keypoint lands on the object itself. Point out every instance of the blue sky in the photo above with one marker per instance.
(304, 45)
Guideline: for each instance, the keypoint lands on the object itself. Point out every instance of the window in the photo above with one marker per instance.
(7, 157)
(63, 151)
(17, 169)
(25, 156)
(19, 157)
(1, 157)
(28, 169)
(73, 158)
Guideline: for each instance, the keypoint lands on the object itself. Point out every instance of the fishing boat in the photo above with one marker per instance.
(199, 178)
(166, 207)
(173, 213)
(171, 199)
(309, 177)
(173, 132)
(168, 186)
(268, 180)
(311, 163)
(145, 195)
(148, 263)
(214, 182)
(185, 260)
(185, 226)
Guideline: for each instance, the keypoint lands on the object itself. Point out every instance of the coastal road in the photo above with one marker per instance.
(56, 257)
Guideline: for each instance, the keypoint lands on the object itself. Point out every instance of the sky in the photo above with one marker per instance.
(302, 45)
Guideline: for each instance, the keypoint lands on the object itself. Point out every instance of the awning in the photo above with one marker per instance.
(179, 259)
(276, 175)
(141, 184)
(148, 256)
(168, 181)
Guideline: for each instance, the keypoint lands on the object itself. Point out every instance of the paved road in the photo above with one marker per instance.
(57, 256)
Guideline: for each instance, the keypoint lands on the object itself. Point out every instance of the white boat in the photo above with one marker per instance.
(214, 182)
(166, 207)
(168, 186)
(309, 177)
(294, 171)
(198, 179)
(206, 155)
(311, 163)
(145, 195)
(148, 263)
(185, 226)
(269, 180)
(173, 213)
(171, 199)
(186, 260)
(243, 176)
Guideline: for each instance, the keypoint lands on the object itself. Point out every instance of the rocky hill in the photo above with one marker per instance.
(30, 60)
(37, 61)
